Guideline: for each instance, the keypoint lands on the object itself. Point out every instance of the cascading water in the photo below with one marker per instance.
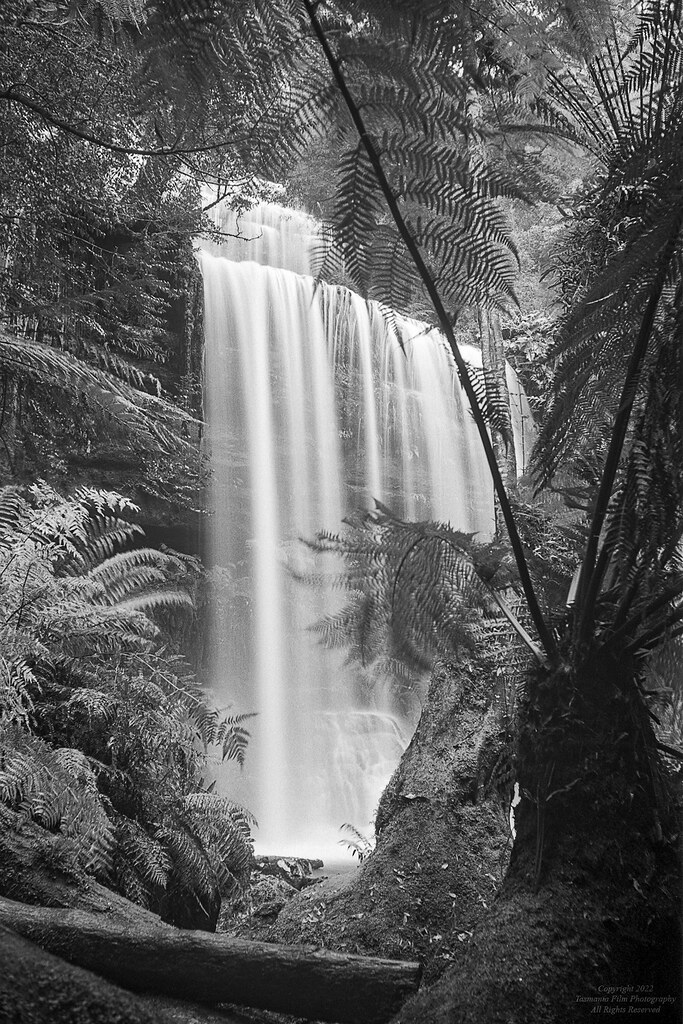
(314, 409)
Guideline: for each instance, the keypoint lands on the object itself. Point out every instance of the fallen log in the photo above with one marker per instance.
(208, 968)
(39, 988)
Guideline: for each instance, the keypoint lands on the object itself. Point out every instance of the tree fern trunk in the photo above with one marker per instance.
(587, 917)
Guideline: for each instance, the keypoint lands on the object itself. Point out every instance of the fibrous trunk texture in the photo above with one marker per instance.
(588, 918)
(493, 360)
(599, 935)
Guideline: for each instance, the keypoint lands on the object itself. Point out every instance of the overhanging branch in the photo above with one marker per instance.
(10, 96)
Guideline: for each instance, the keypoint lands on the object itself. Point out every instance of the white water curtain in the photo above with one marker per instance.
(314, 409)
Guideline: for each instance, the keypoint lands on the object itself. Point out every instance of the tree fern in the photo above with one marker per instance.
(418, 590)
(636, 95)
(415, 112)
(450, 89)
(631, 130)
(154, 421)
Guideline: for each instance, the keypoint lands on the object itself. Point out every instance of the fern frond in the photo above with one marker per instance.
(15, 513)
(192, 868)
(154, 421)
(357, 844)
(96, 704)
(232, 738)
(225, 830)
(219, 808)
(124, 573)
(416, 590)
(143, 856)
(145, 604)
(19, 686)
(225, 732)
(58, 790)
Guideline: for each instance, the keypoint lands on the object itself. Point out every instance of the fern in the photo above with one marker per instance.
(141, 864)
(225, 732)
(418, 591)
(69, 588)
(154, 421)
(194, 873)
(358, 845)
(635, 86)
(87, 668)
(225, 831)
(58, 790)
(98, 706)
(18, 686)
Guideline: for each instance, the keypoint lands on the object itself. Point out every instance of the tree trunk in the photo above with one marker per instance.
(192, 340)
(600, 935)
(217, 969)
(587, 920)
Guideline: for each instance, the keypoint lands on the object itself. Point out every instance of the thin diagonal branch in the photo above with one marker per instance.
(11, 96)
(544, 633)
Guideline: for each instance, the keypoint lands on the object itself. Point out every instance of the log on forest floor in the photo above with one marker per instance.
(212, 968)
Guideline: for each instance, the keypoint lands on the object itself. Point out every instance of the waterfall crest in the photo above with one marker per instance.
(317, 403)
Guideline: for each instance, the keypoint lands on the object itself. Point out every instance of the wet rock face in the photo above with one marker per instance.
(296, 871)
(443, 840)
(274, 882)
(269, 895)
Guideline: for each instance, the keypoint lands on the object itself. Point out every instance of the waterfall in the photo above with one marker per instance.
(317, 403)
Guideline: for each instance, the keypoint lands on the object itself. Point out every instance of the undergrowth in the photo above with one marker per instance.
(105, 735)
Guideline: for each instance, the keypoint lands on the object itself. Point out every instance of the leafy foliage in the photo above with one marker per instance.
(105, 734)
(57, 788)
(96, 283)
(398, 68)
(620, 239)
(400, 64)
(394, 89)
(418, 591)
(358, 844)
